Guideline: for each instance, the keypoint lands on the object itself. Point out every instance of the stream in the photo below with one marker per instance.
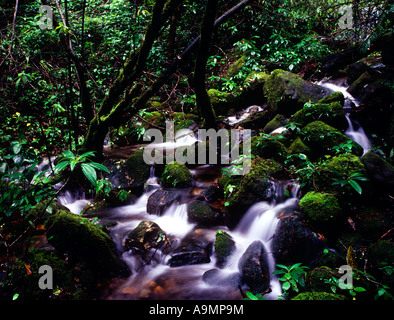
(156, 279)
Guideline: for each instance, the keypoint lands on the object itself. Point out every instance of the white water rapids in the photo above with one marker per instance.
(157, 280)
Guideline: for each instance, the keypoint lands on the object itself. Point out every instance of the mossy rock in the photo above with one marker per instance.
(83, 241)
(340, 167)
(336, 96)
(250, 93)
(199, 212)
(176, 175)
(223, 102)
(287, 92)
(321, 209)
(278, 121)
(243, 191)
(297, 146)
(224, 247)
(137, 171)
(24, 276)
(145, 236)
(268, 148)
(322, 138)
(330, 113)
(319, 296)
(236, 67)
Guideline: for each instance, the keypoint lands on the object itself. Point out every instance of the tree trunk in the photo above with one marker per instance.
(203, 101)
(113, 113)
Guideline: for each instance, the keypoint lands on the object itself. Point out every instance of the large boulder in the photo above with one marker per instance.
(250, 93)
(322, 138)
(243, 191)
(83, 240)
(176, 175)
(145, 236)
(331, 113)
(254, 267)
(161, 200)
(130, 174)
(199, 212)
(287, 92)
(268, 147)
(294, 242)
(321, 210)
(340, 168)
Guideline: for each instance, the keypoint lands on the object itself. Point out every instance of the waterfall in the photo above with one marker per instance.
(75, 202)
(358, 135)
(260, 222)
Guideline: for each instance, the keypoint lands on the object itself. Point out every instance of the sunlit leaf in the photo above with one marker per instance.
(89, 172)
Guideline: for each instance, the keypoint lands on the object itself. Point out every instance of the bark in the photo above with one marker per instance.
(113, 112)
(79, 67)
(203, 101)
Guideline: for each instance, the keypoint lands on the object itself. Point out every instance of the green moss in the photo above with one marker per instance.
(297, 146)
(287, 92)
(321, 138)
(331, 114)
(24, 276)
(340, 167)
(236, 67)
(319, 296)
(278, 121)
(138, 171)
(176, 175)
(333, 97)
(320, 209)
(201, 213)
(243, 191)
(82, 240)
(222, 102)
(250, 93)
(268, 148)
(224, 247)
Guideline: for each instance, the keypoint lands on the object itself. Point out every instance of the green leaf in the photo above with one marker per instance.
(356, 186)
(68, 154)
(15, 296)
(381, 292)
(99, 166)
(251, 296)
(61, 165)
(359, 289)
(89, 172)
(73, 163)
(87, 154)
(286, 286)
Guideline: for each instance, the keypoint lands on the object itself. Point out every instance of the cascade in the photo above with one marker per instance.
(354, 131)
(258, 223)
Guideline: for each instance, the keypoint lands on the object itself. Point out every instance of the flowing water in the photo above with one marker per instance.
(354, 131)
(157, 280)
